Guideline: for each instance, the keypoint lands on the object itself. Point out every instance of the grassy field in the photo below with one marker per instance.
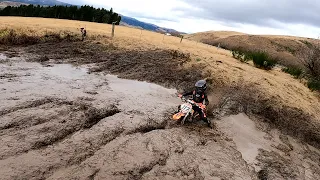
(284, 101)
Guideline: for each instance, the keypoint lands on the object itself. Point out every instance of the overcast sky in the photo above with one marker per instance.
(283, 17)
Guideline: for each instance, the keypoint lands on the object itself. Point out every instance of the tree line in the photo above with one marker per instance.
(83, 13)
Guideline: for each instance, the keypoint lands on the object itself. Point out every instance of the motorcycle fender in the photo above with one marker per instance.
(177, 116)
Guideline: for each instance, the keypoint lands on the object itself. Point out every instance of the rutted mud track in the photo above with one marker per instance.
(60, 122)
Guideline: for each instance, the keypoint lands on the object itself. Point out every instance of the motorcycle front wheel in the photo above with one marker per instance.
(185, 119)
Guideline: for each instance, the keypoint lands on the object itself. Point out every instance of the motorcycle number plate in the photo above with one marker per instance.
(185, 108)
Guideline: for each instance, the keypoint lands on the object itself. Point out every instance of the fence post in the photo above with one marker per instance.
(181, 39)
(113, 25)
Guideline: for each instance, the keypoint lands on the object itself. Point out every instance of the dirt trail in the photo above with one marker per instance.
(60, 122)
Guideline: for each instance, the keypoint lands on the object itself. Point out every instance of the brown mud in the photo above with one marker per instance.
(59, 121)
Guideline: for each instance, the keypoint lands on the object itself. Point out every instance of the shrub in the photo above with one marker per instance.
(314, 84)
(240, 55)
(262, 60)
(307, 43)
(296, 72)
(310, 59)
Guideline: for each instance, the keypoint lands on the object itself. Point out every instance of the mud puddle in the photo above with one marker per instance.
(272, 154)
(246, 136)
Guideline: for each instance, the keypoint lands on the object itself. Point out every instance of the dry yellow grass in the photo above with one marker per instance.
(273, 84)
(212, 35)
(283, 48)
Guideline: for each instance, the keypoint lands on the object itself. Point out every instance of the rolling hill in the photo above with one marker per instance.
(283, 48)
(128, 21)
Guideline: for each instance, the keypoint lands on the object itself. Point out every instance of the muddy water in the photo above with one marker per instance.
(273, 154)
(59, 122)
(246, 136)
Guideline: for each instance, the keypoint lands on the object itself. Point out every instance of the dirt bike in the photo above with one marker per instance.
(186, 112)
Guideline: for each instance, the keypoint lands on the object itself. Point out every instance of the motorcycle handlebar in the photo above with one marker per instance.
(191, 102)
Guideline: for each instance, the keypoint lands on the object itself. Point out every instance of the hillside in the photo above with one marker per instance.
(283, 48)
(212, 35)
(102, 108)
(126, 21)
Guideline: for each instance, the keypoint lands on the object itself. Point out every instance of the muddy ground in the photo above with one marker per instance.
(59, 121)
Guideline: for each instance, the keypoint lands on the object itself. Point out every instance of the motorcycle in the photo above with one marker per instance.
(186, 112)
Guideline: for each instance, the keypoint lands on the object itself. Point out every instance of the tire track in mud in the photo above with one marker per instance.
(72, 150)
(30, 104)
(162, 154)
(59, 126)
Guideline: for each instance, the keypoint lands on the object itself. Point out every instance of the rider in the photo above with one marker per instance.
(199, 96)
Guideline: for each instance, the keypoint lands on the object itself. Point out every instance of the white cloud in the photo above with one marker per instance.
(187, 17)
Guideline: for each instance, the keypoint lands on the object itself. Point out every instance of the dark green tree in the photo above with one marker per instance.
(83, 13)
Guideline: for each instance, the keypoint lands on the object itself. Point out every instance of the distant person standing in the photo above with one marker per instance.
(84, 33)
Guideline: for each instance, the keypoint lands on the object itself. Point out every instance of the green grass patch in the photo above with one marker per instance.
(260, 59)
(314, 84)
(296, 72)
(307, 43)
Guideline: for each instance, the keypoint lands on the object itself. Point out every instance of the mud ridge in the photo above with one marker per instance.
(92, 117)
(139, 172)
(28, 122)
(72, 119)
(32, 104)
(148, 126)
(274, 166)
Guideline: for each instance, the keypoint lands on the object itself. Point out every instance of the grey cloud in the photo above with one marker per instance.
(263, 12)
(138, 15)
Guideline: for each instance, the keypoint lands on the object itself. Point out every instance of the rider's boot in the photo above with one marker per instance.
(207, 121)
